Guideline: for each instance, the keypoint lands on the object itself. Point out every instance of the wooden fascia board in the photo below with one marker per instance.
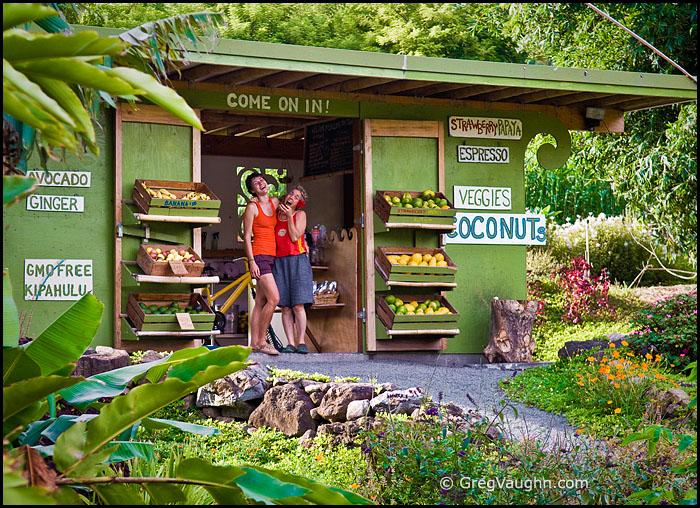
(572, 118)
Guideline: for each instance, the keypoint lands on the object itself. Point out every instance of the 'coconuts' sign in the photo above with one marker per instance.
(497, 228)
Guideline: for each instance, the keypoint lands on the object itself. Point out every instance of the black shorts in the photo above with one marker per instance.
(264, 263)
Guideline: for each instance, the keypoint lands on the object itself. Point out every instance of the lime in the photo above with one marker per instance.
(408, 205)
(406, 197)
(441, 202)
(153, 308)
(396, 200)
(417, 202)
(392, 307)
(143, 306)
(390, 299)
(435, 305)
(422, 307)
(401, 309)
(163, 310)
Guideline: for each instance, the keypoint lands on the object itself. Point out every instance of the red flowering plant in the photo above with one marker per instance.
(585, 296)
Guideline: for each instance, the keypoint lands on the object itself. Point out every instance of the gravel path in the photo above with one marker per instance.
(470, 387)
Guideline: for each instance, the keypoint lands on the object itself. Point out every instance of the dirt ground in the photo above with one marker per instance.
(655, 293)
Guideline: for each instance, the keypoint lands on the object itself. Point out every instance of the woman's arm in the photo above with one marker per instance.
(296, 230)
(248, 217)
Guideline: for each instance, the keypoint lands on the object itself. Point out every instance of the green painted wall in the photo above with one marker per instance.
(87, 235)
(153, 152)
(484, 271)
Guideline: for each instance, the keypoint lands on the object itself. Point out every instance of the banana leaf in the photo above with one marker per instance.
(21, 45)
(192, 428)
(17, 14)
(67, 338)
(70, 453)
(17, 366)
(128, 450)
(10, 317)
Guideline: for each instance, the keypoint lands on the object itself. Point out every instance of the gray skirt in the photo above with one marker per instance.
(294, 280)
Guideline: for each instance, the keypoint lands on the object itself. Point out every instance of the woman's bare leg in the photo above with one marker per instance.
(300, 322)
(288, 325)
(270, 297)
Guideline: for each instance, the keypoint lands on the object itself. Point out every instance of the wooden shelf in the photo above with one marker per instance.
(413, 284)
(418, 225)
(449, 331)
(233, 336)
(195, 333)
(183, 219)
(328, 306)
(139, 276)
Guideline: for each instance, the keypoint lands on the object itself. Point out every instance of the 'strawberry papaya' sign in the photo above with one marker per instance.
(57, 279)
(482, 127)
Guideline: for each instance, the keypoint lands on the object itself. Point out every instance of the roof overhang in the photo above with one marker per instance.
(235, 66)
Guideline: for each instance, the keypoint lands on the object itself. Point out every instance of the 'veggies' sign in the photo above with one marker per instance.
(57, 279)
(482, 198)
(481, 127)
(487, 154)
(509, 229)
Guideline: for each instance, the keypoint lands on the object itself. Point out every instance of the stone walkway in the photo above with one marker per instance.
(470, 387)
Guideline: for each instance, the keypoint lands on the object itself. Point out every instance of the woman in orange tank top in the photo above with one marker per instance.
(259, 222)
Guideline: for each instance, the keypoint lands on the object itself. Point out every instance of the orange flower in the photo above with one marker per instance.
(672, 365)
(625, 343)
(590, 359)
(319, 457)
(611, 377)
(354, 485)
(659, 376)
(616, 354)
(640, 375)
(580, 383)
(616, 385)
(619, 367)
(594, 379)
(618, 410)
(610, 402)
(612, 345)
(620, 375)
(630, 353)
(604, 370)
(648, 356)
(579, 431)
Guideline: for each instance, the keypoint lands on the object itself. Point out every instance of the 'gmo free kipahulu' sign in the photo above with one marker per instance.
(57, 279)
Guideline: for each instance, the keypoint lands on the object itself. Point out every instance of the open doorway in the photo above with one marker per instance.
(314, 152)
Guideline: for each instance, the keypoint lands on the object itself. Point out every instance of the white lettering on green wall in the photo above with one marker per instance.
(480, 127)
(57, 279)
(257, 102)
(60, 178)
(482, 198)
(498, 229)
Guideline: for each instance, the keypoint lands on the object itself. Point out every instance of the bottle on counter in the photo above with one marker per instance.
(215, 241)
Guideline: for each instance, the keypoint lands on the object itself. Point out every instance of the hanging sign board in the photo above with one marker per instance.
(49, 203)
(498, 229)
(60, 178)
(483, 154)
(482, 198)
(482, 127)
(57, 279)
(328, 147)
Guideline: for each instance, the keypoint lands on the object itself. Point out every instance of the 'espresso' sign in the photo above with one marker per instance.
(481, 127)
(487, 154)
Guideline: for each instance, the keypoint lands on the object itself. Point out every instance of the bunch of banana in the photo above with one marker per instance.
(160, 194)
(197, 196)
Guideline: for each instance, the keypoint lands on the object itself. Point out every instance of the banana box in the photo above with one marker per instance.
(164, 197)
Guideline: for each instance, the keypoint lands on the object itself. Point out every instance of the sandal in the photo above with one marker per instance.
(268, 350)
(302, 349)
(289, 349)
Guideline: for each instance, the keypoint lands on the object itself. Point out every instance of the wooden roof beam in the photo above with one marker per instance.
(543, 95)
(205, 72)
(577, 98)
(285, 121)
(242, 76)
(280, 79)
(352, 85)
(473, 91)
(396, 86)
(428, 90)
(318, 81)
(507, 93)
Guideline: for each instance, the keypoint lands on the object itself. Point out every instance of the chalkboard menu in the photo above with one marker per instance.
(328, 147)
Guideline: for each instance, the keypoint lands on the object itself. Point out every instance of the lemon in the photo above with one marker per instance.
(429, 310)
(420, 311)
(410, 307)
(422, 306)
(410, 313)
(439, 256)
(396, 200)
(417, 258)
(414, 303)
(409, 205)
(403, 261)
(423, 263)
(427, 257)
(412, 263)
(390, 299)
(398, 302)
(432, 262)
(442, 263)
(435, 305)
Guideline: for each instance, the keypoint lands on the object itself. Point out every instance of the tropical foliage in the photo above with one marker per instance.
(83, 448)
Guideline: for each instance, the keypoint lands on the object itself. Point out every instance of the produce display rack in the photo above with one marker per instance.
(419, 324)
(416, 276)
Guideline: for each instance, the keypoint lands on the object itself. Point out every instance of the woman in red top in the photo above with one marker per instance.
(259, 221)
(292, 269)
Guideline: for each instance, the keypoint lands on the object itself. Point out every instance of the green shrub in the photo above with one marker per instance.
(611, 245)
(670, 328)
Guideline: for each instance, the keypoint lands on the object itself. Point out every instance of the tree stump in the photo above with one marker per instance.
(511, 331)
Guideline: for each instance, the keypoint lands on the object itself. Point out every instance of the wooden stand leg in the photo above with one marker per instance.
(313, 340)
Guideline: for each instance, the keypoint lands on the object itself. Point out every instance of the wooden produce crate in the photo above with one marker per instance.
(153, 267)
(168, 322)
(425, 322)
(177, 207)
(406, 273)
(399, 214)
